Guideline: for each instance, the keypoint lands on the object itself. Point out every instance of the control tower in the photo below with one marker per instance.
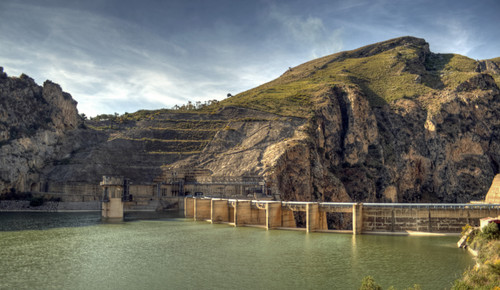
(115, 191)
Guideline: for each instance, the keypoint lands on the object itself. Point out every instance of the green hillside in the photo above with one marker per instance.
(398, 68)
(385, 71)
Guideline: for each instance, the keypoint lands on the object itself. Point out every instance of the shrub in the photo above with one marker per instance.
(369, 283)
(486, 275)
(490, 232)
(465, 229)
(36, 201)
(13, 195)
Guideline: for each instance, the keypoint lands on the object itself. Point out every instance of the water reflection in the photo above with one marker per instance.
(177, 253)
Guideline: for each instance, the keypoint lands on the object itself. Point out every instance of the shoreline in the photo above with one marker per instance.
(50, 211)
(49, 206)
(414, 233)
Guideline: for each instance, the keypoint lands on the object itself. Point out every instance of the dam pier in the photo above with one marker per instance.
(365, 217)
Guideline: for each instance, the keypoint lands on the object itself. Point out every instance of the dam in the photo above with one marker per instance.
(366, 217)
(355, 217)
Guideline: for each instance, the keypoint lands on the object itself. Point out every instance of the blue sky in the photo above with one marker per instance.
(125, 55)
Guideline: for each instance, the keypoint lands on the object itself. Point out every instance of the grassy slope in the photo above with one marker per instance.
(385, 71)
(384, 77)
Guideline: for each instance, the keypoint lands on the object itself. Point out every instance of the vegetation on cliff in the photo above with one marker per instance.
(386, 71)
(486, 273)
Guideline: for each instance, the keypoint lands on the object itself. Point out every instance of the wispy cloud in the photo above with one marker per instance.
(453, 36)
(307, 31)
(109, 64)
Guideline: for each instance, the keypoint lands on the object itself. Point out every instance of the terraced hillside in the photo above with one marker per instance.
(139, 147)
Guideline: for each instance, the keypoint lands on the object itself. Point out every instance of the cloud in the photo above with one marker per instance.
(307, 32)
(106, 64)
(113, 65)
(454, 36)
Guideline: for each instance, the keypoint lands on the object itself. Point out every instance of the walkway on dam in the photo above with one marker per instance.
(364, 217)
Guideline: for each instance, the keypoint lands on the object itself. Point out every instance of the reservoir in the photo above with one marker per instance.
(79, 251)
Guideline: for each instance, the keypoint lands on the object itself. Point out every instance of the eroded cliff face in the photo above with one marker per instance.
(34, 125)
(409, 151)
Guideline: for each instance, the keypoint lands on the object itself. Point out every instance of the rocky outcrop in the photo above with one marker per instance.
(27, 107)
(402, 153)
(34, 124)
(488, 66)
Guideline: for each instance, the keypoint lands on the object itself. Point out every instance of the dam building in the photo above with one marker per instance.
(115, 191)
(201, 182)
(168, 190)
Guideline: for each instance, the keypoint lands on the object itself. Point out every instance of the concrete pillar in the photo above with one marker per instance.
(430, 221)
(195, 208)
(273, 215)
(113, 209)
(202, 209)
(219, 211)
(313, 221)
(357, 218)
(242, 212)
(393, 220)
(189, 207)
(235, 211)
(323, 223)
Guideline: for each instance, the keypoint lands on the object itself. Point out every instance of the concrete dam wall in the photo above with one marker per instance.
(366, 217)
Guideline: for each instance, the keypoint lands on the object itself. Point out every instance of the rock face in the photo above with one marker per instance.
(389, 122)
(404, 153)
(34, 124)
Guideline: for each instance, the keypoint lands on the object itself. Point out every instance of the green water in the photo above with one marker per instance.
(78, 251)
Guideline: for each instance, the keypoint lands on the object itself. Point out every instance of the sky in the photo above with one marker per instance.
(126, 55)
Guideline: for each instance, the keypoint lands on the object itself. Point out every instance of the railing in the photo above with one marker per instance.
(435, 205)
(300, 205)
(337, 204)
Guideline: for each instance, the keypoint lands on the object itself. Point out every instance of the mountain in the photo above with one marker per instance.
(388, 122)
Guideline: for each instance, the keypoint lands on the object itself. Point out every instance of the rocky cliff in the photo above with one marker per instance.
(35, 122)
(389, 122)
